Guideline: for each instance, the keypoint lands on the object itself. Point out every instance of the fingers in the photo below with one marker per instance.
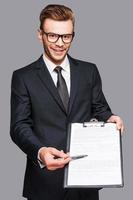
(54, 159)
(118, 121)
(59, 162)
(119, 124)
(57, 153)
(53, 164)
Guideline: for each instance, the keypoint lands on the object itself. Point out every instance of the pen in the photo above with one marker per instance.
(73, 157)
(78, 157)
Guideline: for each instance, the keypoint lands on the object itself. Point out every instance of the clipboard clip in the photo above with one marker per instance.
(93, 123)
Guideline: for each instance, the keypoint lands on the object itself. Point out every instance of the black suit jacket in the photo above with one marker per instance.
(38, 117)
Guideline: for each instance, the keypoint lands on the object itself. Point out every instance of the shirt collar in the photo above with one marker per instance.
(51, 66)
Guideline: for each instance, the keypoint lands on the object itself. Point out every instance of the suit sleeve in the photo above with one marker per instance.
(21, 128)
(100, 107)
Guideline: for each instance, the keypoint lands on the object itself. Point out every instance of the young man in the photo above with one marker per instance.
(47, 95)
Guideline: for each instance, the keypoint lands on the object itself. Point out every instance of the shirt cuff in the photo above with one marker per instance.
(41, 164)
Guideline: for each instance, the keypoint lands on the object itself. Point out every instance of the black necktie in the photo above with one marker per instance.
(62, 87)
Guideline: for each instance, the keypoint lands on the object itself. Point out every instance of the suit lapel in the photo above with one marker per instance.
(47, 81)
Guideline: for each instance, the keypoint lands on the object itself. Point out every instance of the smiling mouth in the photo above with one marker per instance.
(58, 50)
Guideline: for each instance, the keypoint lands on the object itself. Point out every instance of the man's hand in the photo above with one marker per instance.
(52, 158)
(118, 121)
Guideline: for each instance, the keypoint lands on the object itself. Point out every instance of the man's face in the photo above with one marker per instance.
(56, 51)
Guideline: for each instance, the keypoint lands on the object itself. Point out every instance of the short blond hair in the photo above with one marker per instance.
(56, 12)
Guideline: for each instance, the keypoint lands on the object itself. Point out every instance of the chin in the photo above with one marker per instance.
(58, 59)
(58, 62)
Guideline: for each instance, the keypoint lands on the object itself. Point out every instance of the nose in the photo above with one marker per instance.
(60, 42)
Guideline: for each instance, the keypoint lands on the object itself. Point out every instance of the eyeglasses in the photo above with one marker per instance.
(53, 37)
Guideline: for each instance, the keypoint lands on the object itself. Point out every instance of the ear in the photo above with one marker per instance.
(39, 35)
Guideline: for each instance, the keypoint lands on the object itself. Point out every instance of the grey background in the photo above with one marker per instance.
(104, 36)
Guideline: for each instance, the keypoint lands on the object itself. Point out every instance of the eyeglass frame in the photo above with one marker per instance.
(59, 35)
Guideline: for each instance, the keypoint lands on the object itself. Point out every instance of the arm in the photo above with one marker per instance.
(100, 107)
(21, 119)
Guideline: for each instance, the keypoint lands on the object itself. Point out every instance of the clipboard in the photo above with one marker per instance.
(103, 167)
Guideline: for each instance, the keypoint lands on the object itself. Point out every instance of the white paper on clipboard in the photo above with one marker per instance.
(103, 165)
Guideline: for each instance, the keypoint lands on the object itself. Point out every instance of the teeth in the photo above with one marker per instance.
(58, 50)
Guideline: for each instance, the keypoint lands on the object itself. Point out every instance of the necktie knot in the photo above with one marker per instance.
(58, 69)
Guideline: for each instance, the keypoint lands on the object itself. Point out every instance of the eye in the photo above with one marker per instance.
(52, 35)
(68, 36)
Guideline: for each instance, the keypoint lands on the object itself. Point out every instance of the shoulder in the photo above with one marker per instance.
(83, 65)
(28, 69)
